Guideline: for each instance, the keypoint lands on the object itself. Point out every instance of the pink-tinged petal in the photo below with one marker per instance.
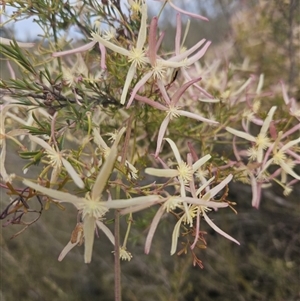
(267, 121)
(240, 134)
(120, 204)
(163, 91)
(151, 102)
(178, 34)
(63, 197)
(166, 173)
(107, 168)
(159, 41)
(139, 84)
(200, 162)
(152, 228)
(175, 235)
(152, 41)
(212, 192)
(129, 77)
(143, 29)
(182, 89)
(106, 231)
(66, 250)
(187, 76)
(196, 57)
(75, 50)
(256, 191)
(161, 133)
(103, 56)
(203, 202)
(180, 57)
(196, 16)
(89, 224)
(197, 228)
(217, 229)
(196, 116)
(8, 42)
(175, 150)
(72, 172)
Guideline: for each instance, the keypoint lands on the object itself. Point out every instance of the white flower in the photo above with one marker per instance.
(91, 207)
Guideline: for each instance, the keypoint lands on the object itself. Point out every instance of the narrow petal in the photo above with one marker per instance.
(183, 55)
(143, 29)
(152, 41)
(200, 162)
(64, 197)
(267, 121)
(175, 235)
(109, 45)
(129, 77)
(187, 13)
(89, 224)
(196, 57)
(138, 85)
(166, 173)
(197, 117)
(66, 250)
(289, 170)
(41, 142)
(175, 150)
(75, 50)
(161, 133)
(106, 168)
(150, 102)
(119, 204)
(203, 202)
(290, 144)
(152, 228)
(240, 134)
(73, 174)
(182, 89)
(212, 192)
(106, 231)
(217, 229)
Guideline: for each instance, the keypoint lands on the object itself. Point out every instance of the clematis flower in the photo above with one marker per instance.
(159, 66)
(261, 141)
(197, 207)
(136, 55)
(172, 110)
(57, 161)
(279, 157)
(91, 207)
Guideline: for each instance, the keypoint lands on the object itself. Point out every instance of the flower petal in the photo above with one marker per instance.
(89, 224)
(106, 231)
(217, 229)
(166, 173)
(153, 227)
(64, 197)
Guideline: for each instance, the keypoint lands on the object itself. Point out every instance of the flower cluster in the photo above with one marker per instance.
(123, 85)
